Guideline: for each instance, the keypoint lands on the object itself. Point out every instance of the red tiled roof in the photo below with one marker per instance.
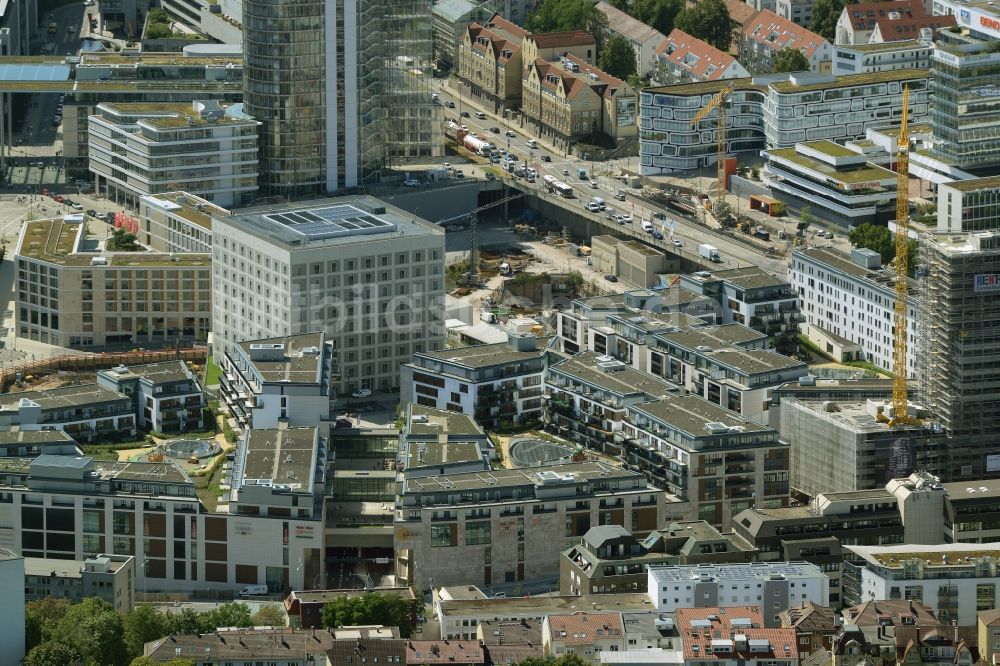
(893, 30)
(780, 33)
(497, 42)
(703, 60)
(574, 82)
(740, 12)
(864, 16)
(444, 652)
(500, 23)
(582, 628)
(716, 640)
(548, 40)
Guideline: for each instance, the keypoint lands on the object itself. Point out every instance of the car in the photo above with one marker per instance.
(465, 114)
(611, 278)
(500, 595)
(450, 104)
(510, 133)
(490, 176)
(56, 121)
(71, 28)
(546, 158)
(75, 206)
(459, 174)
(93, 213)
(411, 182)
(658, 235)
(676, 243)
(593, 184)
(362, 393)
(480, 115)
(565, 172)
(446, 165)
(495, 130)
(464, 128)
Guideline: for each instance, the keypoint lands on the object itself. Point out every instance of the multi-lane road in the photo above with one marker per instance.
(566, 169)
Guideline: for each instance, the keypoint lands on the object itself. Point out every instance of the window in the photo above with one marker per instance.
(443, 536)
(477, 533)
(985, 596)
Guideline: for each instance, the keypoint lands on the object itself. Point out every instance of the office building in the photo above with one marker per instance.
(839, 183)
(204, 147)
(167, 396)
(344, 92)
(18, 24)
(754, 298)
(717, 461)
(17, 443)
(768, 34)
(177, 222)
(609, 559)
(570, 99)
(12, 587)
(968, 205)
(511, 525)
(681, 57)
(366, 274)
(954, 580)
(771, 586)
(735, 635)
(642, 38)
(850, 300)
(588, 395)
(110, 578)
(881, 57)
(451, 19)
(772, 112)
(273, 380)
(498, 384)
(74, 292)
(584, 634)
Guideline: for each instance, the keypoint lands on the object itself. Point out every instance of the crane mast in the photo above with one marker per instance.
(717, 103)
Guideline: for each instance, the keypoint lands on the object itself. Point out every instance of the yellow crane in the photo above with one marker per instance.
(900, 414)
(717, 103)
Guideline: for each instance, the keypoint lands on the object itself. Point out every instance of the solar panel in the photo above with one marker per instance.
(34, 72)
(331, 222)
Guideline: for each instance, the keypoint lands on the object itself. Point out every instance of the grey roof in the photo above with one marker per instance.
(296, 366)
(685, 572)
(441, 422)
(692, 415)
(483, 356)
(156, 373)
(41, 566)
(48, 460)
(432, 454)
(632, 28)
(283, 456)
(614, 376)
(748, 277)
(725, 335)
(574, 473)
(597, 536)
(540, 606)
(35, 437)
(453, 10)
(65, 396)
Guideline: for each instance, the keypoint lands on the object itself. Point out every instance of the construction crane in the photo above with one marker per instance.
(900, 415)
(717, 103)
(472, 277)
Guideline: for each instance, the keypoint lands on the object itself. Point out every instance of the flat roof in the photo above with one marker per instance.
(538, 606)
(747, 277)
(850, 80)
(333, 221)
(755, 361)
(901, 45)
(483, 356)
(171, 115)
(706, 87)
(972, 490)
(64, 396)
(57, 241)
(973, 184)
(430, 454)
(943, 555)
(693, 415)
(166, 472)
(849, 175)
(301, 363)
(35, 437)
(536, 476)
(616, 377)
(737, 571)
(725, 335)
(41, 566)
(157, 373)
(441, 422)
(281, 457)
(831, 148)
(187, 206)
(852, 415)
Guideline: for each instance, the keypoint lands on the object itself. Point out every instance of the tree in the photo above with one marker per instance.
(826, 13)
(617, 58)
(874, 237)
(53, 653)
(123, 241)
(40, 617)
(709, 21)
(369, 608)
(270, 615)
(561, 15)
(789, 60)
(95, 629)
(142, 625)
(233, 614)
(659, 14)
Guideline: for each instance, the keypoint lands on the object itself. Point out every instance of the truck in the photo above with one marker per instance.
(253, 590)
(476, 145)
(53, 27)
(709, 252)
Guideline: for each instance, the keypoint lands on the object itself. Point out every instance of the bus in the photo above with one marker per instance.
(562, 189)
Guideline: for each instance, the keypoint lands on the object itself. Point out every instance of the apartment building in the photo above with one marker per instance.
(436, 442)
(609, 559)
(492, 56)
(577, 317)
(588, 396)
(723, 365)
(290, 647)
(631, 338)
(177, 222)
(717, 461)
(881, 57)
(889, 29)
(988, 632)
(815, 626)
(770, 586)
(839, 183)
(768, 34)
(73, 292)
(799, 12)
(498, 384)
(681, 57)
(851, 297)
(568, 99)
(584, 634)
(642, 38)
(287, 379)
(366, 274)
(735, 635)
(86, 412)
(503, 526)
(167, 396)
(66, 507)
(17, 443)
(857, 22)
(955, 581)
(137, 149)
(107, 577)
(770, 113)
(754, 298)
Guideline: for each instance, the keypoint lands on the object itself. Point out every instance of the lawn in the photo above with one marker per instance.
(212, 372)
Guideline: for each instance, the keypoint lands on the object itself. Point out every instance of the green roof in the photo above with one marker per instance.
(702, 87)
(830, 148)
(883, 46)
(973, 184)
(855, 175)
(852, 80)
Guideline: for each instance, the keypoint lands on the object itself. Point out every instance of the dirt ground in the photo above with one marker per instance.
(52, 381)
(125, 455)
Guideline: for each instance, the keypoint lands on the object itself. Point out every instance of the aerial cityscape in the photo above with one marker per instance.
(500, 332)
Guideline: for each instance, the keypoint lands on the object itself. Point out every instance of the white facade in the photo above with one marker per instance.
(796, 11)
(12, 615)
(138, 149)
(376, 292)
(841, 295)
(884, 57)
(177, 222)
(642, 38)
(773, 586)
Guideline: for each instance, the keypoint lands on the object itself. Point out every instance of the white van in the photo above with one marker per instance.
(531, 143)
(599, 202)
(253, 590)
(647, 225)
(594, 207)
(480, 115)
